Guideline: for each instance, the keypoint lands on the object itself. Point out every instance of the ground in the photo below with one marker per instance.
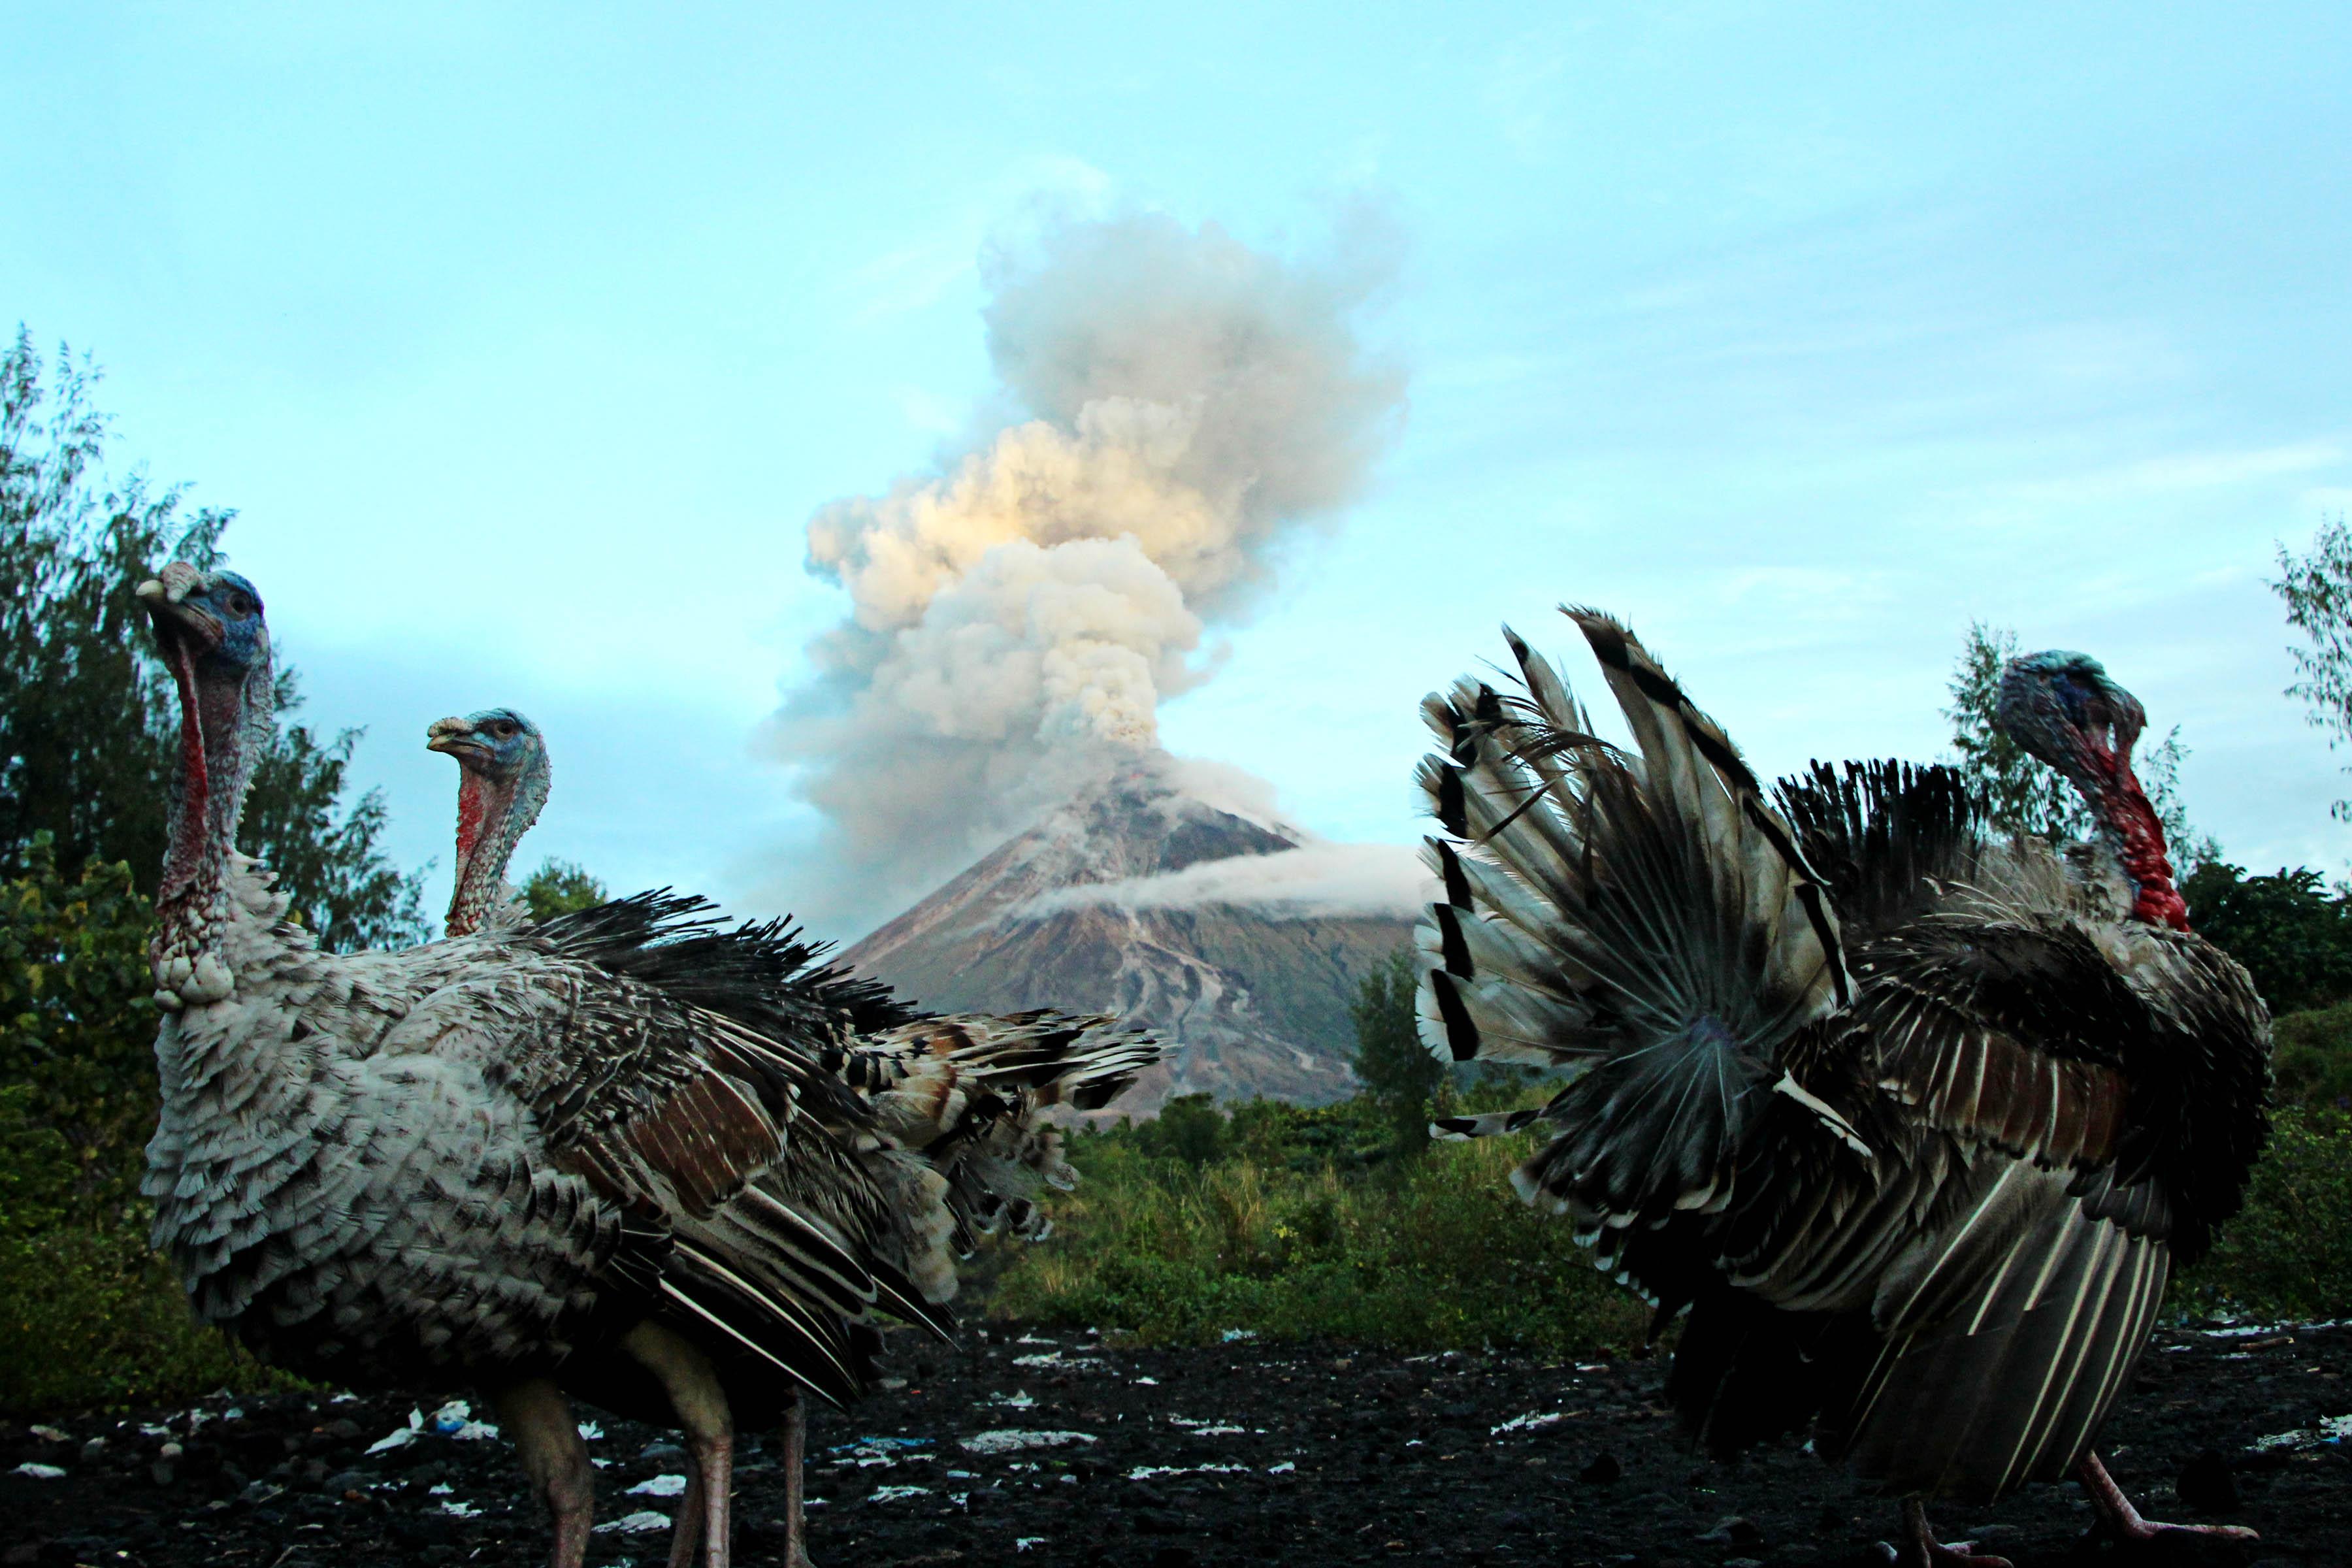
(1060, 1449)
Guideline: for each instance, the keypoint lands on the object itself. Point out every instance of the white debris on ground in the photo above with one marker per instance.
(1146, 1472)
(1018, 1399)
(869, 1452)
(400, 1437)
(1024, 1542)
(659, 1486)
(2331, 1429)
(641, 1522)
(1533, 1421)
(1057, 1362)
(39, 1472)
(1288, 1468)
(590, 1431)
(1147, 1382)
(455, 1420)
(49, 1434)
(2249, 1330)
(1011, 1440)
(1035, 1339)
(1211, 1429)
(1233, 1336)
(461, 1509)
(892, 1494)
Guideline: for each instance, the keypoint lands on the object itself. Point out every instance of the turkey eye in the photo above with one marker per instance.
(239, 605)
(502, 729)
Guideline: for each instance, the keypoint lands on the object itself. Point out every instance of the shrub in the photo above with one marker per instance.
(2289, 1254)
(1442, 1254)
(88, 1316)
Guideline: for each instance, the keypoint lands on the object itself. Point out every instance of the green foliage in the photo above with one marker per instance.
(2312, 1057)
(560, 887)
(1275, 1239)
(1189, 1128)
(77, 1021)
(2289, 1255)
(2024, 795)
(1399, 1074)
(88, 1316)
(89, 724)
(2294, 937)
(89, 719)
(2317, 589)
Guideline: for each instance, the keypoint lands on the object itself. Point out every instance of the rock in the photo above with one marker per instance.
(2206, 1484)
(1733, 1530)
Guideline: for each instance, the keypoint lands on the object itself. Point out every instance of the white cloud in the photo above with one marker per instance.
(1316, 879)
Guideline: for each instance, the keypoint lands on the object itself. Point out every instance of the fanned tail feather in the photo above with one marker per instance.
(1647, 923)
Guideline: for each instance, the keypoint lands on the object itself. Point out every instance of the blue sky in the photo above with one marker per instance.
(527, 340)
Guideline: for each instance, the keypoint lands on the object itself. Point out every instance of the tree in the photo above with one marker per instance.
(1189, 1128)
(89, 719)
(77, 1017)
(2318, 588)
(1398, 1073)
(2025, 794)
(2292, 936)
(560, 887)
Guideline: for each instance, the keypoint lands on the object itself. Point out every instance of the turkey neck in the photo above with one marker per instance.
(2130, 818)
(490, 822)
(209, 778)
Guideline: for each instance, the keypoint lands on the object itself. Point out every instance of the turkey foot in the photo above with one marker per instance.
(1920, 1549)
(2119, 1516)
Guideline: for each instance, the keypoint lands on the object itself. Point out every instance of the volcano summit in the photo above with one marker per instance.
(1145, 895)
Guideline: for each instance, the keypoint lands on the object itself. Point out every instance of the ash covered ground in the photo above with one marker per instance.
(1060, 1449)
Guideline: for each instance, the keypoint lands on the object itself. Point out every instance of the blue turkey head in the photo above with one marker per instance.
(2064, 707)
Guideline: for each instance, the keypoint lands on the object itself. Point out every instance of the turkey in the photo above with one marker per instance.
(944, 1114)
(586, 1158)
(965, 1091)
(503, 778)
(1913, 1121)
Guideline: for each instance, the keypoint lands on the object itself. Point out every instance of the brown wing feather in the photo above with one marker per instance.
(2014, 1034)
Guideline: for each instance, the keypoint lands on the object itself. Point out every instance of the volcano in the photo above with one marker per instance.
(1216, 925)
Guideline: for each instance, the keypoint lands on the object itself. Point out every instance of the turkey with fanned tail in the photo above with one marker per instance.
(1912, 1120)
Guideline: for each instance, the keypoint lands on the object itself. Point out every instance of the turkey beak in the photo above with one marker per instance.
(175, 615)
(456, 738)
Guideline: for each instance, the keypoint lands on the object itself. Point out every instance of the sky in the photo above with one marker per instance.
(527, 341)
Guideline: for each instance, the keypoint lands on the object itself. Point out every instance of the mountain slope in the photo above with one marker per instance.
(1221, 928)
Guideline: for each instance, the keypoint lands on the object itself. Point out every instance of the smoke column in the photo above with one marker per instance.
(1178, 403)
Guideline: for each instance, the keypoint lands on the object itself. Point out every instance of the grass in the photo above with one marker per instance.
(1289, 1222)
(1294, 1224)
(1426, 1254)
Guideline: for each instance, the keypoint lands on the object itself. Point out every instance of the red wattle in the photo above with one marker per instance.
(2141, 837)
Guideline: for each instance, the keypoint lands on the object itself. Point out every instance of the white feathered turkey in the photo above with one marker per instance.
(592, 1157)
(1912, 1120)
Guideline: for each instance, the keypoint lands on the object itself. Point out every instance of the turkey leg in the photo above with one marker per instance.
(2124, 1520)
(795, 1445)
(1920, 1549)
(700, 1404)
(536, 1418)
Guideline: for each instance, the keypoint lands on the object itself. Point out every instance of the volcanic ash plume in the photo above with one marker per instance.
(1182, 403)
